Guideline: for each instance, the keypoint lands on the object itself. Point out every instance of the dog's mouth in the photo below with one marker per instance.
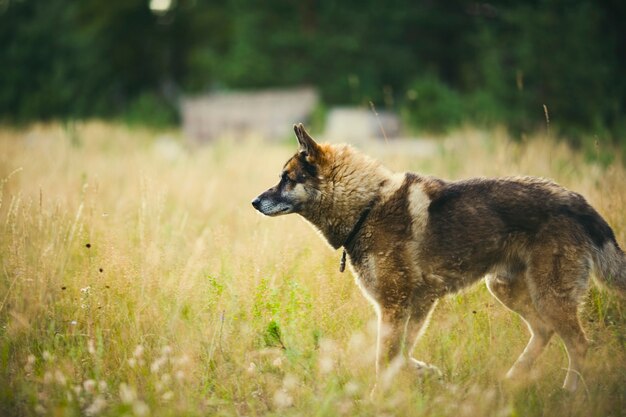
(270, 208)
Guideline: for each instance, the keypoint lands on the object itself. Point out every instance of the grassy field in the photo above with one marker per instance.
(136, 279)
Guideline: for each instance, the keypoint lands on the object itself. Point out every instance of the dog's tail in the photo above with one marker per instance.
(609, 261)
(610, 266)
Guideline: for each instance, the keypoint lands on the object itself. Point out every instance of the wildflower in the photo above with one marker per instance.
(326, 364)
(138, 351)
(282, 399)
(40, 409)
(47, 377)
(127, 393)
(345, 407)
(166, 350)
(166, 378)
(30, 361)
(47, 356)
(251, 368)
(278, 362)
(73, 322)
(59, 377)
(357, 342)
(351, 388)
(89, 385)
(290, 382)
(102, 386)
(91, 347)
(181, 360)
(167, 396)
(140, 408)
(96, 407)
(157, 364)
(180, 375)
(328, 346)
(132, 362)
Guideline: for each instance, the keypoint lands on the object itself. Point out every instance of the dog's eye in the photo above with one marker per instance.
(285, 177)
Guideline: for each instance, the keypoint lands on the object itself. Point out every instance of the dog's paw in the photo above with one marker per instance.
(425, 369)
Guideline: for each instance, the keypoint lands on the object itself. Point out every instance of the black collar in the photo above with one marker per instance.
(355, 229)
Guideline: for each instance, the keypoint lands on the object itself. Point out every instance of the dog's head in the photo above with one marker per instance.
(299, 185)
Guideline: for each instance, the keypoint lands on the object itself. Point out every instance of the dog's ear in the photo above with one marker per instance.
(307, 145)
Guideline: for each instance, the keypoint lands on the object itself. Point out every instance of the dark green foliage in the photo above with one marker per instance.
(483, 63)
(272, 336)
(432, 106)
(149, 108)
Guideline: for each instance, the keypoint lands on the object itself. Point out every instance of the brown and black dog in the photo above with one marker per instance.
(412, 239)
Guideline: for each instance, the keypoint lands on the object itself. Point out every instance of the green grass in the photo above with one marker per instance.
(136, 279)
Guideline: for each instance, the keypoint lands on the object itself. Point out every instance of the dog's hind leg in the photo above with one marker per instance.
(512, 291)
(559, 279)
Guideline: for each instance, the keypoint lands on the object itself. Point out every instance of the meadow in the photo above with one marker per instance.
(136, 279)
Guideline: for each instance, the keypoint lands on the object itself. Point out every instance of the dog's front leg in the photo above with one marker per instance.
(392, 322)
(421, 312)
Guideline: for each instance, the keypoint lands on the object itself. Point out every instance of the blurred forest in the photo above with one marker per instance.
(438, 63)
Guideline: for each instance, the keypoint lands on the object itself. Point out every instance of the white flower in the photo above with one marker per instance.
(91, 347)
(138, 351)
(47, 377)
(181, 360)
(278, 362)
(59, 377)
(30, 361)
(127, 393)
(89, 385)
(251, 368)
(96, 407)
(290, 382)
(157, 364)
(102, 386)
(140, 408)
(351, 388)
(326, 364)
(282, 399)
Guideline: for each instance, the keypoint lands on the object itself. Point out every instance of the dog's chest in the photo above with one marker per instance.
(365, 272)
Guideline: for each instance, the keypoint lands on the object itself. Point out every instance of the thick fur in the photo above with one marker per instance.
(534, 241)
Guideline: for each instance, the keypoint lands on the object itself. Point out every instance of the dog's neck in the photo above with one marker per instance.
(337, 227)
(347, 195)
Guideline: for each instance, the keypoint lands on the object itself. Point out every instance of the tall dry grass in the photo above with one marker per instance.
(137, 280)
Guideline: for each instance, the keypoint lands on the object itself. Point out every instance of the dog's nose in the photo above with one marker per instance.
(256, 203)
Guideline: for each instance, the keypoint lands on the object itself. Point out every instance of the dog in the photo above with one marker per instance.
(412, 239)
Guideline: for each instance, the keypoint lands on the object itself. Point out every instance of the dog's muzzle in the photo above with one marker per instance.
(270, 207)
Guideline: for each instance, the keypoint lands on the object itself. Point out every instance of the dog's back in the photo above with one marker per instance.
(480, 224)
